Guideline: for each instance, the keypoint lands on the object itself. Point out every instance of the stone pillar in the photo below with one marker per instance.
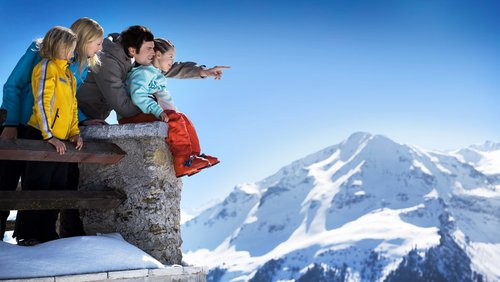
(150, 216)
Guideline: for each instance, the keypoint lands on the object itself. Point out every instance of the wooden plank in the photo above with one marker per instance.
(38, 150)
(48, 200)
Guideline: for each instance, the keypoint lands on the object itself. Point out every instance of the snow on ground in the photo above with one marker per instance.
(8, 237)
(76, 255)
(12, 215)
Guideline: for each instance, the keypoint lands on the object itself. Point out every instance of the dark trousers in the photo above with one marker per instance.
(10, 172)
(70, 223)
(40, 224)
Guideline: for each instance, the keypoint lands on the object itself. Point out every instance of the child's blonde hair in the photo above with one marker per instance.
(87, 31)
(56, 40)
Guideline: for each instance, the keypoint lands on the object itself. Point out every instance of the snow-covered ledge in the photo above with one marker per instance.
(150, 216)
(184, 274)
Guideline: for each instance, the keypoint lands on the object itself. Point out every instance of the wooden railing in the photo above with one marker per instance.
(37, 150)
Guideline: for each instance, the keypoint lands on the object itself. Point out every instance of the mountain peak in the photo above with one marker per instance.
(358, 137)
(487, 146)
(484, 157)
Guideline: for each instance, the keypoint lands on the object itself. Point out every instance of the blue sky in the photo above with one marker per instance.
(305, 74)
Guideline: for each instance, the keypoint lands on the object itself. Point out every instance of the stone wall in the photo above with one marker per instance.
(150, 216)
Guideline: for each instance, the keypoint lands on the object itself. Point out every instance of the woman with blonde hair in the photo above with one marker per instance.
(18, 98)
(90, 37)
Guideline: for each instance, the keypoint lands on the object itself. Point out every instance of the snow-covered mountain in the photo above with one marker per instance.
(367, 209)
(484, 157)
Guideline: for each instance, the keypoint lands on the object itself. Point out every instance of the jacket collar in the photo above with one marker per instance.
(149, 67)
(63, 64)
(112, 47)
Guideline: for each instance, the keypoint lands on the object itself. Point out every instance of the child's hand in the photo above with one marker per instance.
(164, 116)
(60, 146)
(77, 139)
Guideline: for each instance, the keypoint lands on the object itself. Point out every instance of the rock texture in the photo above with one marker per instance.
(150, 216)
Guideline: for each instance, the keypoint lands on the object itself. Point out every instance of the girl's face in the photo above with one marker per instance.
(67, 54)
(93, 47)
(165, 60)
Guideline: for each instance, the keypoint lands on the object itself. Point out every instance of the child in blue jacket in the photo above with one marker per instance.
(147, 86)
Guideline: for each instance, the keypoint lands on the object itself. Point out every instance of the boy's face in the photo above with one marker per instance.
(166, 59)
(144, 56)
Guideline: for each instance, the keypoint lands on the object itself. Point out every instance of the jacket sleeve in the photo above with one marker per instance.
(137, 83)
(15, 84)
(43, 82)
(74, 123)
(184, 70)
(109, 81)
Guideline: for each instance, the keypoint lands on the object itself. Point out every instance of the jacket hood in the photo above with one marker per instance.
(111, 47)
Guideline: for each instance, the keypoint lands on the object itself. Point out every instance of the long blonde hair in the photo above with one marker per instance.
(87, 31)
(57, 39)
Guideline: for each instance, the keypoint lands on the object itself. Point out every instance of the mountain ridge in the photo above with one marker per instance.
(365, 195)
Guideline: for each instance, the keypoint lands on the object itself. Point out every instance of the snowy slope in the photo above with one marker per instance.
(220, 221)
(484, 157)
(353, 211)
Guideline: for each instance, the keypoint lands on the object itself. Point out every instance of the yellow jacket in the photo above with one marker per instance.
(55, 112)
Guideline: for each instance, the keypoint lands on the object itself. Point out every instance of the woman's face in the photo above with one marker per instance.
(166, 59)
(93, 47)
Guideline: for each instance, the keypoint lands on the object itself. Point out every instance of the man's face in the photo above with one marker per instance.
(145, 54)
